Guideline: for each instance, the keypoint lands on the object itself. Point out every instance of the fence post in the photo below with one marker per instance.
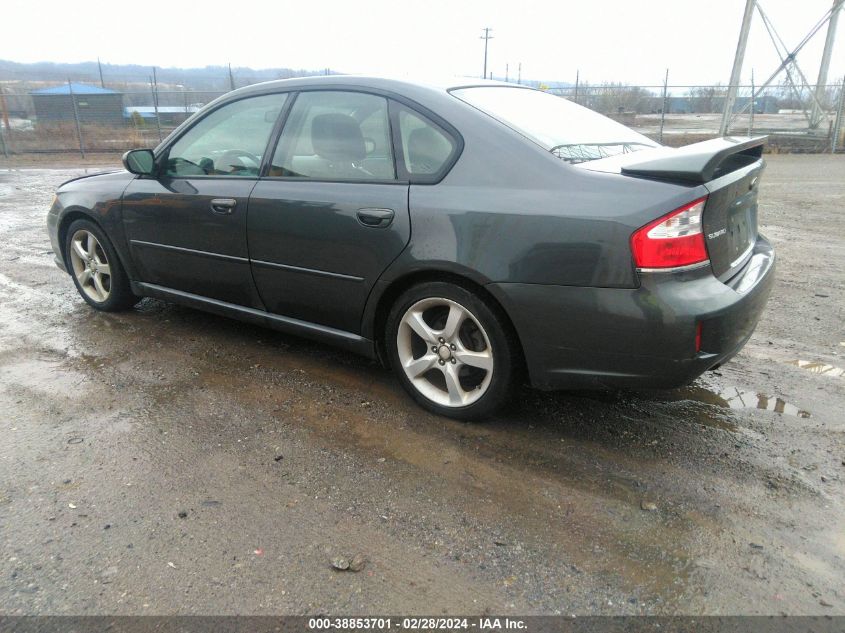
(663, 109)
(154, 88)
(751, 118)
(577, 78)
(76, 118)
(4, 110)
(838, 125)
(6, 126)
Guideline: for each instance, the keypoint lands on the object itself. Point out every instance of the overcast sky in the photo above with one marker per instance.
(607, 40)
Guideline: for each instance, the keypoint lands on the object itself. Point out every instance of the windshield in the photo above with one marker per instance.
(570, 131)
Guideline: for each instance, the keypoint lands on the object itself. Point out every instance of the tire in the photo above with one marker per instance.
(465, 373)
(96, 269)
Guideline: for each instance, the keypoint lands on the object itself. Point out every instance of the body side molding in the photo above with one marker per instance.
(347, 340)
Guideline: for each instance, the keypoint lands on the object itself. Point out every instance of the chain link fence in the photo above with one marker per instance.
(81, 118)
(86, 118)
(679, 115)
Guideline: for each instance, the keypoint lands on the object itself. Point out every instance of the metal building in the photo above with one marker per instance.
(95, 105)
(168, 115)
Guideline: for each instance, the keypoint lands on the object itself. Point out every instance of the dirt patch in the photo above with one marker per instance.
(164, 460)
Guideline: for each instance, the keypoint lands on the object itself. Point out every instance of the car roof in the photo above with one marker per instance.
(399, 85)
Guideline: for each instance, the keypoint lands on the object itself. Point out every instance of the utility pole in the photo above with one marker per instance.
(816, 114)
(486, 37)
(730, 98)
(506, 73)
(519, 74)
(231, 78)
(100, 68)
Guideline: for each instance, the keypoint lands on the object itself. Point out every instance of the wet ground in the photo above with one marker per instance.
(167, 461)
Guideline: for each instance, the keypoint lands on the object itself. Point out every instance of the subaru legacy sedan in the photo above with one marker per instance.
(469, 236)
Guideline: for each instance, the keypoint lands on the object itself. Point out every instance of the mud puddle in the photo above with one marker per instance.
(736, 398)
(43, 375)
(819, 368)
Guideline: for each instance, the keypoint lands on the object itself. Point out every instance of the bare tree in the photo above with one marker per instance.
(707, 98)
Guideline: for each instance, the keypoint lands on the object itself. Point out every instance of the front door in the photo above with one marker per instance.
(331, 214)
(186, 227)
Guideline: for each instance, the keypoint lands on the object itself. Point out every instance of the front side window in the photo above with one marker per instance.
(572, 132)
(425, 147)
(335, 135)
(228, 142)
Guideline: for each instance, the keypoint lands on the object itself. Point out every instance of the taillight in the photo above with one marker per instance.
(674, 240)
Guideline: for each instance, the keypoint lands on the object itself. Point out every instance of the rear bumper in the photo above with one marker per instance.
(582, 337)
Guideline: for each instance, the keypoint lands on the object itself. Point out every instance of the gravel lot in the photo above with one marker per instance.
(168, 461)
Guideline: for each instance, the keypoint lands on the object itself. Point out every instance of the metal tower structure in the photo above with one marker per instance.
(788, 64)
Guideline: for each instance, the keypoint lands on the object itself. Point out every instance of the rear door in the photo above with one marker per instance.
(331, 215)
(187, 226)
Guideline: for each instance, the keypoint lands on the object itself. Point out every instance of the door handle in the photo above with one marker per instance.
(375, 218)
(223, 206)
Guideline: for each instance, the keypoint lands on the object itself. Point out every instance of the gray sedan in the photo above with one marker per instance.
(468, 235)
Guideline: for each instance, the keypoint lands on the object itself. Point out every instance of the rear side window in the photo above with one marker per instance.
(570, 131)
(426, 148)
(335, 135)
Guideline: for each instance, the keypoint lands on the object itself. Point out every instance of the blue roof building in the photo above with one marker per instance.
(78, 89)
(95, 105)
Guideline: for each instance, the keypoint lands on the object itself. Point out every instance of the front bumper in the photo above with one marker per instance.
(582, 337)
(53, 219)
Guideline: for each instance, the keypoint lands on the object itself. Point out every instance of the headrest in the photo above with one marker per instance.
(337, 137)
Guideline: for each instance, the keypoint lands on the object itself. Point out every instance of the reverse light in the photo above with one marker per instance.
(672, 241)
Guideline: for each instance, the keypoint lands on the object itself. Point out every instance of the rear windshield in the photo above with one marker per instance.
(570, 131)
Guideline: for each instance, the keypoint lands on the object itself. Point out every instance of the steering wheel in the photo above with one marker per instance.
(231, 159)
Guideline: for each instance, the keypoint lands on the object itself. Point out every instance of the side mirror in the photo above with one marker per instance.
(139, 161)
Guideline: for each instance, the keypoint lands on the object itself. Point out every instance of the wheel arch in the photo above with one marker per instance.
(73, 214)
(390, 292)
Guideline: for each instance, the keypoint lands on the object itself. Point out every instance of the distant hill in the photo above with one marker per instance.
(21, 77)
(177, 86)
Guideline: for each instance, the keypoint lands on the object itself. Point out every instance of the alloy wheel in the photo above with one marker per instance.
(445, 352)
(90, 266)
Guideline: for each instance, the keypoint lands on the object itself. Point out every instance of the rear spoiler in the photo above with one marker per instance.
(701, 162)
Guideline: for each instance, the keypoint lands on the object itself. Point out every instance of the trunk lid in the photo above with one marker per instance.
(729, 221)
(729, 169)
